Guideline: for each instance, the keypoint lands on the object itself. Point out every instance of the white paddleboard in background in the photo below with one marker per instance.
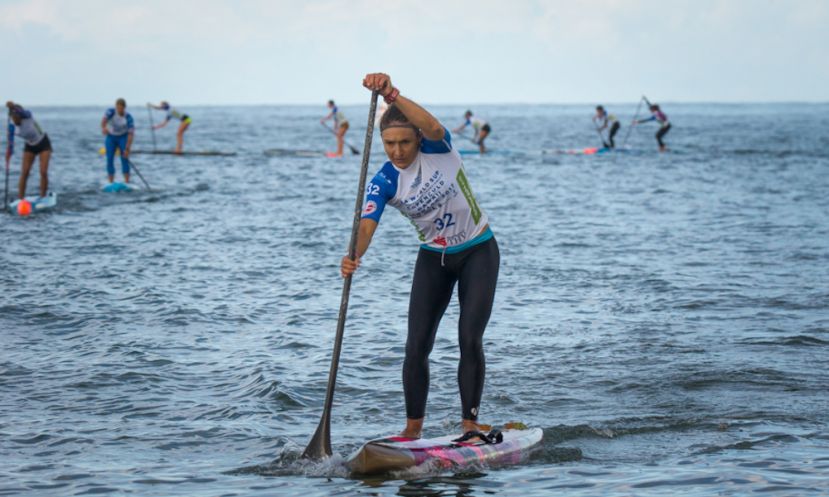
(39, 204)
(285, 152)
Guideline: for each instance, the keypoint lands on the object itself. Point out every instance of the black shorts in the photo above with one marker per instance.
(44, 145)
(486, 128)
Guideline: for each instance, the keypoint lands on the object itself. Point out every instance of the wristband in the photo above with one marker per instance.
(392, 96)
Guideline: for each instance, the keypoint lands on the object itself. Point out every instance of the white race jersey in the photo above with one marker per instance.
(434, 194)
(29, 129)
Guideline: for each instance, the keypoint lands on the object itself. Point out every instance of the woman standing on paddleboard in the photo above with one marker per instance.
(602, 120)
(664, 125)
(172, 113)
(340, 127)
(37, 146)
(119, 128)
(425, 180)
(481, 127)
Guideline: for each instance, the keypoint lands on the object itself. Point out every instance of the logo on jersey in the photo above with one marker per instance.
(370, 208)
(440, 241)
(417, 181)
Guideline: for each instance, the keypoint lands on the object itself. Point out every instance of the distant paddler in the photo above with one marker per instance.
(604, 121)
(340, 126)
(481, 127)
(37, 146)
(173, 114)
(119, 128)
(660, 117)
(425, 180)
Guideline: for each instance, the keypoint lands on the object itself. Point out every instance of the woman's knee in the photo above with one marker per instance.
(471, 343)
(417, 351)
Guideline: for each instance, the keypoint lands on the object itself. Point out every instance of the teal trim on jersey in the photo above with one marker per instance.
(486, 235)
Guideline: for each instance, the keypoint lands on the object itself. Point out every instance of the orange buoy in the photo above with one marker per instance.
(24, 208)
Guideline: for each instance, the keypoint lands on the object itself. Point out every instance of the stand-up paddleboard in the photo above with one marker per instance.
(203, 153)
(400, 453)
(588, 151)
(475, 151)
(117, 187)
(286, 152)
(39, 204)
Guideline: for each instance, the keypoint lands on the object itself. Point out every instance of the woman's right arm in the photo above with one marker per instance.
(364, 235)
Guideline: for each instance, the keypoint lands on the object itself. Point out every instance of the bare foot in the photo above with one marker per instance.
(410, 434)
(413, 429)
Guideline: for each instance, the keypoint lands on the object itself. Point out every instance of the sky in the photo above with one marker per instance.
(223, 52)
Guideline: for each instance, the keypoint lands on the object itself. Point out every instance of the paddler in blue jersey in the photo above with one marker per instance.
(425, 180)
(340, 126)
(482, 129)
(184, 122)
(119, 128)
(664, 125)
(602, 121)
(37, 146)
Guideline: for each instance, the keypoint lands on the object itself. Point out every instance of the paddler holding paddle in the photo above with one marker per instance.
(660, 117)
(119, 128)
(482, 129)
(602, 120)
(184, 122)
(340, 126)
(425, 180)
(37, 146)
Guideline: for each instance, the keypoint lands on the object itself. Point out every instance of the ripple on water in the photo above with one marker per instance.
(662, 316)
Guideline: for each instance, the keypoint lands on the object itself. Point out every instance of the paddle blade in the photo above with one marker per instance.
(320, 445)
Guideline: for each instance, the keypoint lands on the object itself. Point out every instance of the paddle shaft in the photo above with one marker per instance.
(320, 445)
(6, 197)
(8, 159)
(139, 175)
(635, 116)
(152, 125)
(353, 150)
(601, 136)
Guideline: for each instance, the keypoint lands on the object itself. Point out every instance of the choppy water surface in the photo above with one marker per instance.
(664, 318)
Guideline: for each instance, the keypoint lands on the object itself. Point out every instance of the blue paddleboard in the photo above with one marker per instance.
(118, 186)
(475, 151)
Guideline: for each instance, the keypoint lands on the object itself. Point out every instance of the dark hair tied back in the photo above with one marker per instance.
(393, 118)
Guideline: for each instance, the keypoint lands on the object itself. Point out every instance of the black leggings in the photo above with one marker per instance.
(476, 272)
(659, 134)
(613, 130)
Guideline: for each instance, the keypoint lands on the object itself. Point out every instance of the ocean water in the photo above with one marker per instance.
(663, 317)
